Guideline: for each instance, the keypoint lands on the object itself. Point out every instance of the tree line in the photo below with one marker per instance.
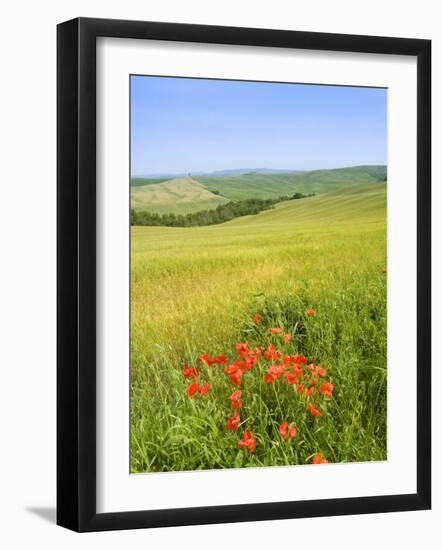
(220, 214)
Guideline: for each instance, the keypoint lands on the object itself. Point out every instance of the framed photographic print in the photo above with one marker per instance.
(243, 274)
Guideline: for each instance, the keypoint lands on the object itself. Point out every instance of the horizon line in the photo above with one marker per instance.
(281, 170)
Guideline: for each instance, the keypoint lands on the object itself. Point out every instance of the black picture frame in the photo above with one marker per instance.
(76, 273)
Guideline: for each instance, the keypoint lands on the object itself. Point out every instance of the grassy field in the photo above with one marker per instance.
(180, 195)
(191, 194)
(274, 185)
(197, 290)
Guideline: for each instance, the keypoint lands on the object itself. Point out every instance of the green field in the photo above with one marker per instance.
(180, 195)
(274, 185)
(191, 194)
(196, 290)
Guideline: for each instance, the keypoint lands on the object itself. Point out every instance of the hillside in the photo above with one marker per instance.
(274, 185)
(181, 195)
(192, 194)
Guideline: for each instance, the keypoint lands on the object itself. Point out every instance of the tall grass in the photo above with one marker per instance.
(196, 290)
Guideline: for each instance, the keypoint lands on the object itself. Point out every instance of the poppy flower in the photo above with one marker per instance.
(230, 369)
(297, 369)
(300, 388)
(273, 373)
(235, 378)
(319, 371)
(204, 388)
(276, 330)
(242, 349)
(190, 373)
(233, 422)
(204, 358)
(291, 378)
(300, 359)
(313, 410)
(256, 353)
(192, 389)
(287, 337)
(235, 399)
(220, 359)
(287, 431)
(271, 353)
(319, 459)
(247, 441)
(310, 312)
(309, 392)
(257, 318)
(326, 389)
(313, 381)
(249, 363)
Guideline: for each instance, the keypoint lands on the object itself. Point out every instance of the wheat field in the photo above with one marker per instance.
(201, 290)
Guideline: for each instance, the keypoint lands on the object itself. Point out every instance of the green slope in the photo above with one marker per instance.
(349, 211)
(139, 182)
(181, 196)
(275, 185)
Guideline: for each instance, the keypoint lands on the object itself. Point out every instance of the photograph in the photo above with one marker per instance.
(258, 274)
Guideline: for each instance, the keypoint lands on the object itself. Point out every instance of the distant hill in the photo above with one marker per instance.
(158, 178)
(180, 195)
(190, 194)
(274, 185)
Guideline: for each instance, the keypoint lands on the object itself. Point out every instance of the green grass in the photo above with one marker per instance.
(140, 182)
(181, 196)
(195, 290)
(274, 185)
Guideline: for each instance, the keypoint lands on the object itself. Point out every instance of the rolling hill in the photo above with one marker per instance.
(191, 194)
(274, 185)
(181, 195)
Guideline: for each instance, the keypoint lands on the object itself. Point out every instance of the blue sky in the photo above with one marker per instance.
(189, 125)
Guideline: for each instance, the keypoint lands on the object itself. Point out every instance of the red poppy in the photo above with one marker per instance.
(291, 378)
(190, 373)
(249, 363)
(192, 389)
(220, 359)
(310, 312)
(300, 359)
(204, 357)
(309, 391)
(276, 330)
(319, 371)
(242, 349)
(326, 389)
(273, 373)
(319, 459)
(313, 381)
(235, 378)
(300, 388)
(247, 441)
(233, 422)
(235, 399)
(255, 353)
(257, 318)
(298, 370)
(313, 410)
(271, 353)
(287, 337)
(204, 388)
(287, 431)
(237, 365)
